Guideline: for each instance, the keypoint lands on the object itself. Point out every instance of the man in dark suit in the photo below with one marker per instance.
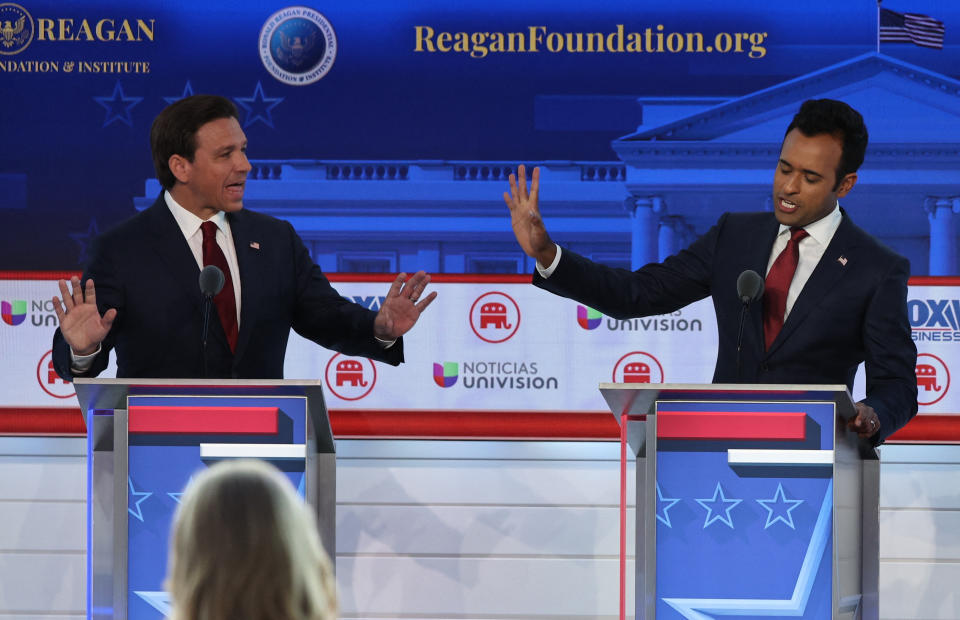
(834, 296)
(141, 296)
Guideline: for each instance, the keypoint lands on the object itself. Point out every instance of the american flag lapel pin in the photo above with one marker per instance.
(256, 246)
(842, 260)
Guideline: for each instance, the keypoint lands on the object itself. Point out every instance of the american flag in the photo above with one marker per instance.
(913, 28)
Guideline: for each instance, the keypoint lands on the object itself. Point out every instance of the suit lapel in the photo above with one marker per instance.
(167, 240)
(826, 275)
(249, 261)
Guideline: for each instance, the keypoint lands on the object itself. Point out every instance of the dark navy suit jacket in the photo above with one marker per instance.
(850, 310)
(145, 269)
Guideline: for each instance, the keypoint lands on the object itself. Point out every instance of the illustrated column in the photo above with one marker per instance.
(943, 241)
(644, 216)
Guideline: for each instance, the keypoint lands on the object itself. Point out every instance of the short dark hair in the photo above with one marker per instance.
(174, 131)
(820, 116)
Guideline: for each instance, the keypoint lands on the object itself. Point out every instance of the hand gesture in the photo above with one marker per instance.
(866, 423)
(525, 217)
(400, 310)
(80, 322)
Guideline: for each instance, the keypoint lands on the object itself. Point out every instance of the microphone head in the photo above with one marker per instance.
(211, 280)
(749, 286)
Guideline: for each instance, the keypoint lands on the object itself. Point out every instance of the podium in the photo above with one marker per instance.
(752, 501)
(145, 440)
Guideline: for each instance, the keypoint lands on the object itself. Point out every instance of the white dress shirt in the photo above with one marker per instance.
(190, 227)
(812, 247)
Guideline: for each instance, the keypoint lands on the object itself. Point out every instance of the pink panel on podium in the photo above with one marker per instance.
(747, 425)
(186, 420)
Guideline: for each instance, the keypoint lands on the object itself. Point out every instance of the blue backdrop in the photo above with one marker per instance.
(75, 127)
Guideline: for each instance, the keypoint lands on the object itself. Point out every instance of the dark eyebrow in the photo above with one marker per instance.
(803, 170)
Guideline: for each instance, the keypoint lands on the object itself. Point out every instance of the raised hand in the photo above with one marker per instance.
(525, 217)
(81, 324)
(402, 307)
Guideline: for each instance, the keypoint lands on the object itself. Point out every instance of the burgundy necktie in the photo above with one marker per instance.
(224, 300)
(778, 283)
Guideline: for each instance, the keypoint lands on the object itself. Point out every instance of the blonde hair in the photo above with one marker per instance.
(244, 545)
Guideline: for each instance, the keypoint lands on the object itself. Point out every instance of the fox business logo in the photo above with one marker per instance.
(934, 320)
(370, 302)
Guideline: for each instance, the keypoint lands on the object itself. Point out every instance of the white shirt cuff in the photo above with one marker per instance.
(546, 272)
(386, 344)
(80, 364)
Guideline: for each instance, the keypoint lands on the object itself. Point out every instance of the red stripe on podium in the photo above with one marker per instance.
(436, 424)
(749, 425)
(929, 429)
(199, 420)
(433, 424)
(41, 421)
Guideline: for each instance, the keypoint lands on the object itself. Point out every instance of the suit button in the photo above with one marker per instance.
(765, 367)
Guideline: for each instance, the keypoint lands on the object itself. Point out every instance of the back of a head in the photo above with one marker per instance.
(829, 116)
(244, 546)
(174, 130)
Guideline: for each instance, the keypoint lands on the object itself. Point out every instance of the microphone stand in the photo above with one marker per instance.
(749, 289)
(207, 302)
(743, 315)
(211, 282)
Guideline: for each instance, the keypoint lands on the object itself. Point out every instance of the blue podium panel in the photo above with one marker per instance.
(171, 438)
(744, 509)
(148, 437)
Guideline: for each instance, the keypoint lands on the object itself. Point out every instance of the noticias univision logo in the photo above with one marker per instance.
(588, 318)
(13, 313)
(446, 374)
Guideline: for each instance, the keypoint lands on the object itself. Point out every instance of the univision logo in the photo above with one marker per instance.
(588, 318)
(13, 313)
(446, 374)
(493, 375)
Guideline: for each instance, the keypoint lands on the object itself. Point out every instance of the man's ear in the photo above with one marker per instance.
(181, 167)
(846, 184)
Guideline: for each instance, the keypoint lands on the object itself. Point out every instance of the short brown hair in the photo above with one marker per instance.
(174, 131)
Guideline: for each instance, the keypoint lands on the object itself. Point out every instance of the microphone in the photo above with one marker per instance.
(212, 280)
(749, 286)
(211, 283)
(749, 290)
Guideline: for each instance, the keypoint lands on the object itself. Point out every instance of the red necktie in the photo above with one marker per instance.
(778, 283)
(225, 302)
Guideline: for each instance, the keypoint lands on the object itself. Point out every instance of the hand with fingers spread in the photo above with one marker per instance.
(866, 423)
(525, 217)
(402, 307)
(81, 324)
